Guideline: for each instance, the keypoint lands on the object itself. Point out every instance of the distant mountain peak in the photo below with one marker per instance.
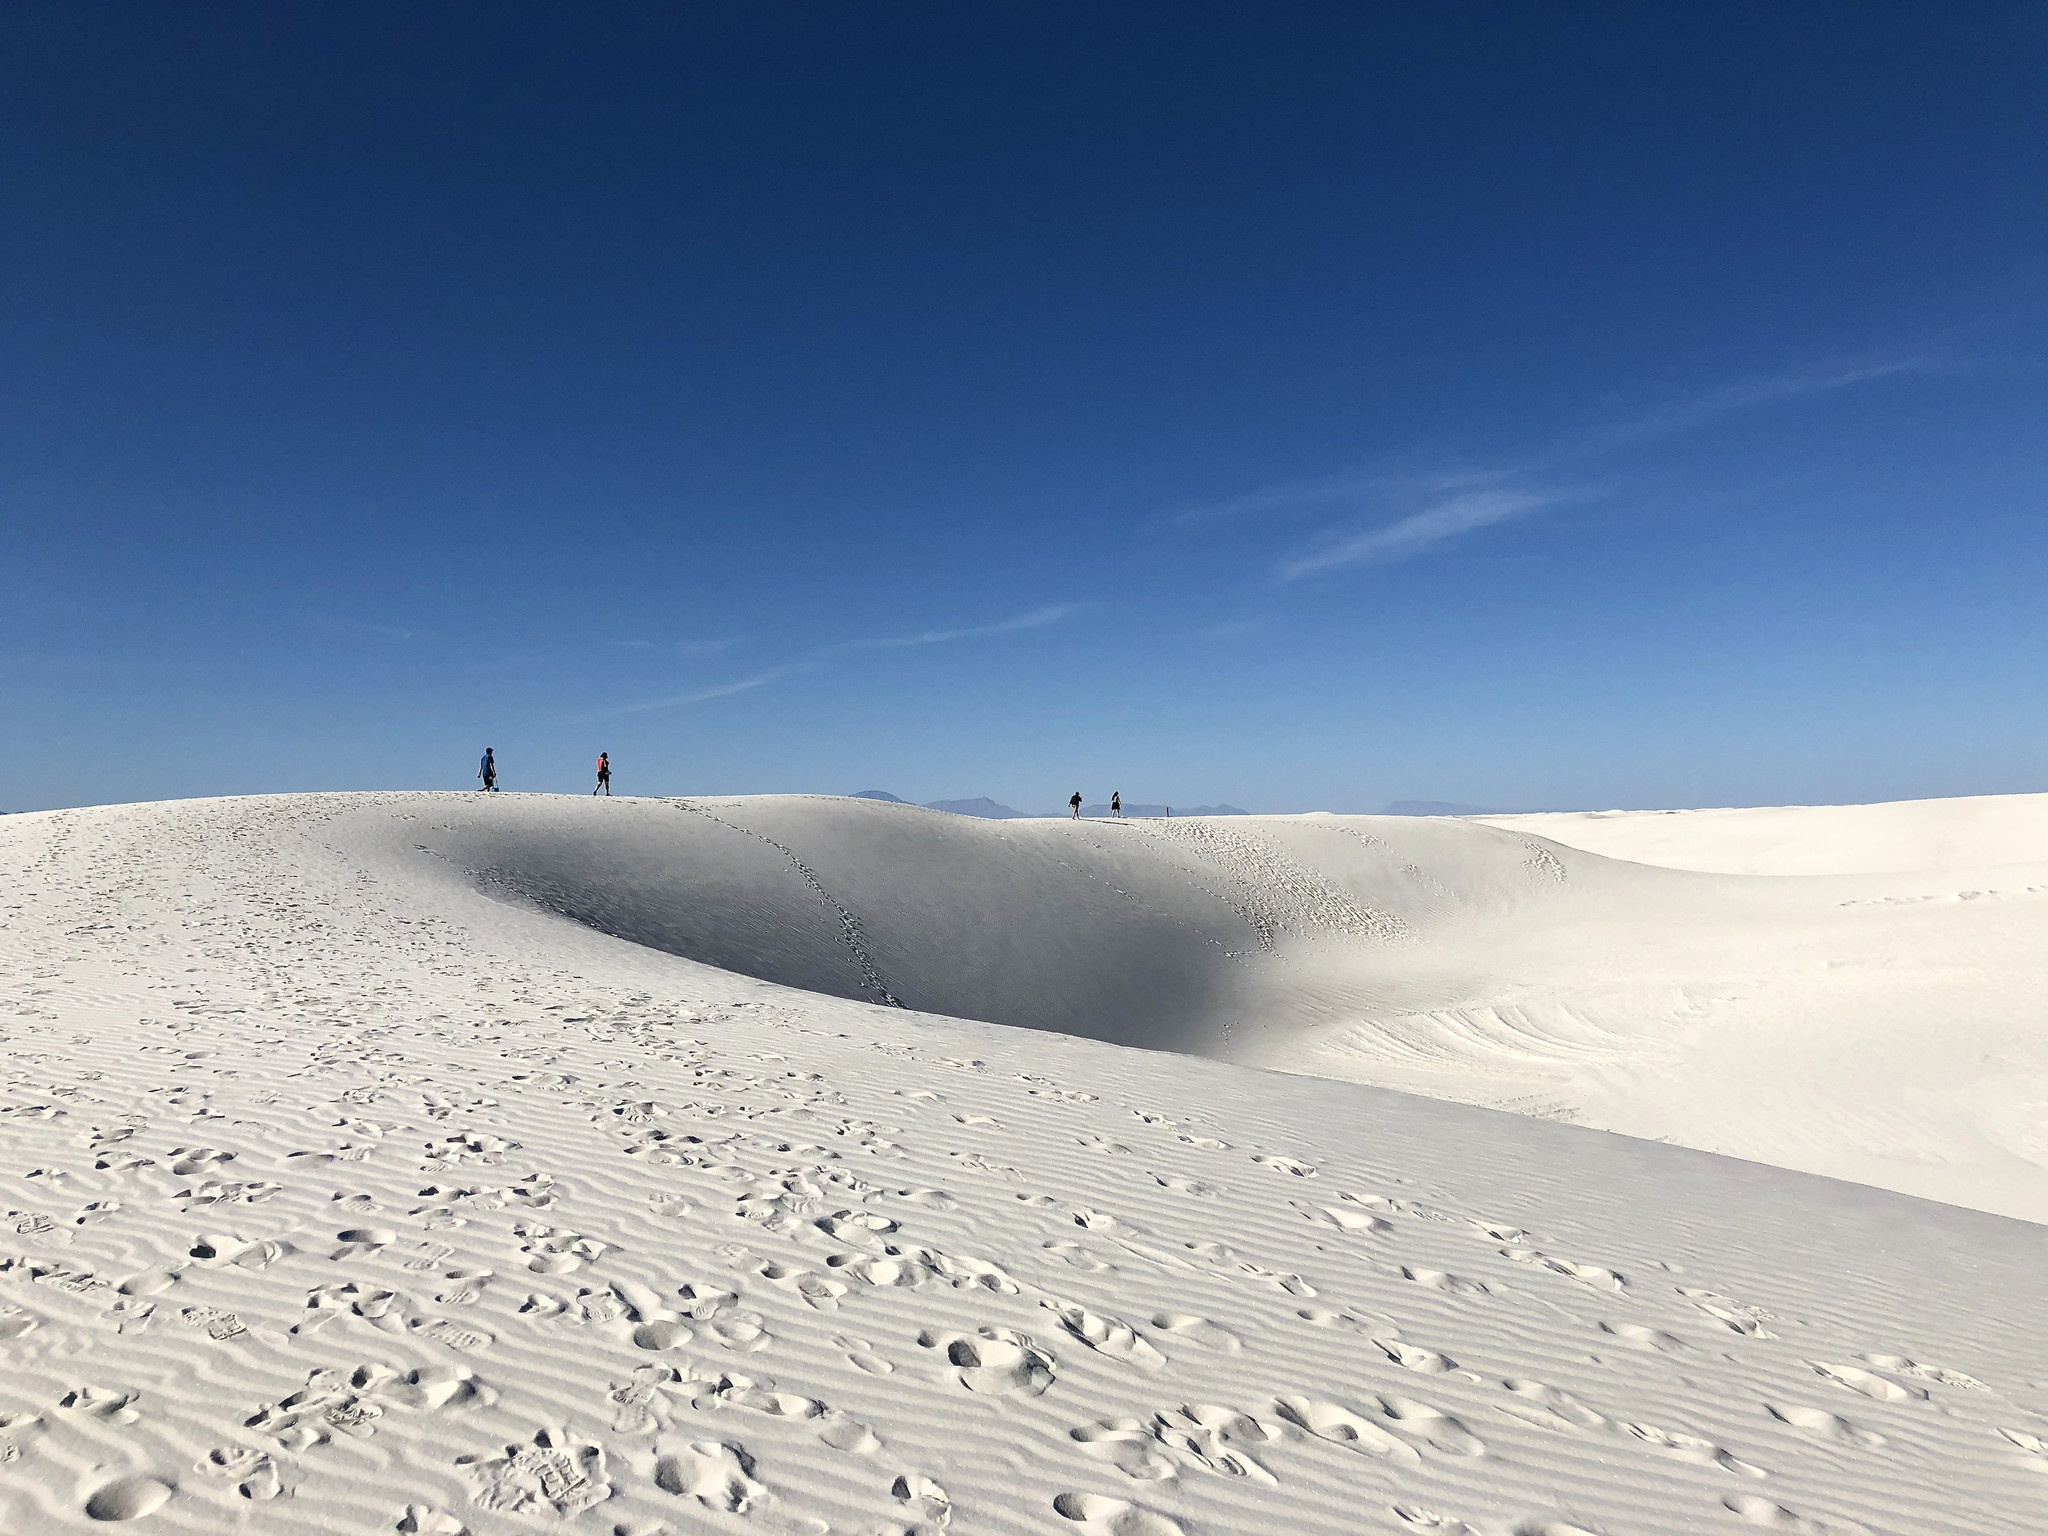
(980, 805)
(877, 794)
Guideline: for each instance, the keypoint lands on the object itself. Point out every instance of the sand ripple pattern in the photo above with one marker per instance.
(337, 1196)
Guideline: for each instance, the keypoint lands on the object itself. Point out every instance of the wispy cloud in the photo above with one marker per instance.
(696, 696)
(1304, 495)
(1418, 531)
(1038, 618)
(705, 647)
(1691, 412)
(1465, 500)
(681, 647)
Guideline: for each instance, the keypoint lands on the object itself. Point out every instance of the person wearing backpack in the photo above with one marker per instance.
(604, 774)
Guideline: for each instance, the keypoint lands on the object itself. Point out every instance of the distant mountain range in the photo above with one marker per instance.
(980, 805)
(995, 810)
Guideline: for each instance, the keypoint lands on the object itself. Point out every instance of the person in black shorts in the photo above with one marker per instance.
(604, 774)
(488, 771)
(1116, 804)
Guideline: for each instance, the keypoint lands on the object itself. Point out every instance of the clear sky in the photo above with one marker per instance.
(1298, 406)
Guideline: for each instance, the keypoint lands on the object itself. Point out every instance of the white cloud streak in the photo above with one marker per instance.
(1478, 499)
(1038, 618)
(1418, 531)
(699, 696)
(1708, 406)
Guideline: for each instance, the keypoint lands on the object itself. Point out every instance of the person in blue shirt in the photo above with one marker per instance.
(488, 772)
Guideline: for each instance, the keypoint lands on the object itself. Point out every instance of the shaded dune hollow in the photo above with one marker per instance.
(1867, 1025)
(1188, 935)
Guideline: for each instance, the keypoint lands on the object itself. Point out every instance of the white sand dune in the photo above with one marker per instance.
(428, 1163)
(1875, 1028)
(1970, 832)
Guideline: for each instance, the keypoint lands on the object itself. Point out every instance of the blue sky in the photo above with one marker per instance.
(1300, 406)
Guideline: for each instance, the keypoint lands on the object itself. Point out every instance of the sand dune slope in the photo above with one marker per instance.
(348, 1186)
(1878, 1027)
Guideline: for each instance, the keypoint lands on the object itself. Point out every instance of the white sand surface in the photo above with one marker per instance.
(1969, 832)
(434, 1163)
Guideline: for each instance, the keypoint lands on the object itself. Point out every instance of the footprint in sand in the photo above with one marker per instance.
(1323, 1318)
(1443, 1280)
(1412, 1358)
(255, 1474)
(100, 1405)
(1197, 1330)
(1823, 1425)
(1187, 1186)
(1900, 1365)
(150, 1282)
(923, 1500)
(1106, 1335)
(1113, 1517)
(1279, 1164)
(1776, 1517)
(129, 1498)
(1731, 1314)
(1343, 1219)
(1340, 1426)
(426, 1520)
(1878, 1388)
(1636, 1336)
(221, 1249)
(717, 1474)
(820, 1292)
(1594, 1275)
(1200, 1437)
(1692, 1448)
(1431, 1425)
(220, 1326)
(1550, 1407)
(551, 1473)
(997, 1361)
(463, 1287)
(359, 1241)
(861, 1355)
(2033, 1445)
(1075, 1255)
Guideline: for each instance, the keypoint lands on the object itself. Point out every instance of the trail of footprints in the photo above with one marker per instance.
(788, 1218)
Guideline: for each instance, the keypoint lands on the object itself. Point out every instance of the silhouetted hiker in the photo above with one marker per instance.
(1075, 803)
(488, 772)
(604, 774)
(1116, 804)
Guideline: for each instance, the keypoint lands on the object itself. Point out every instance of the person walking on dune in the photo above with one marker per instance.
(488, 772)
(604, 775)
(1116, 804)
(1075, 805)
